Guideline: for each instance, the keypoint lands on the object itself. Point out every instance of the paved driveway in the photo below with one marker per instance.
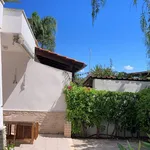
(58, 142)
(48, 142)
(94, 144)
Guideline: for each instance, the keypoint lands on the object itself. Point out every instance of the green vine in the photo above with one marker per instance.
(88, 107)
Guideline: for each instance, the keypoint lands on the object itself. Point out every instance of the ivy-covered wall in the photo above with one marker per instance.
(129, 112)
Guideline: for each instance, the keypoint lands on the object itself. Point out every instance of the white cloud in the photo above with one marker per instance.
(128, 67)
(82, 71)
(113, 68)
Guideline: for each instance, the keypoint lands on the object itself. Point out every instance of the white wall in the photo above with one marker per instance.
(1, 13)
(15, 22)
(40, 89)
(120, 85)
(14, 66)
(11, 21)
(28, 34)
(1, 96)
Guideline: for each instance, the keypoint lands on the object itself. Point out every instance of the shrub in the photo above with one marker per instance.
(143, 110)
(89, 107)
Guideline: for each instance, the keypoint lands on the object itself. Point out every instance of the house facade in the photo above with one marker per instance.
(31, 79)
(37, 90)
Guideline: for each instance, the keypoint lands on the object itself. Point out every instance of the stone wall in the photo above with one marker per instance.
(49, 122)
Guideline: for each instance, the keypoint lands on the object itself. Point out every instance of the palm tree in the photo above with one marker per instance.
(44, 30)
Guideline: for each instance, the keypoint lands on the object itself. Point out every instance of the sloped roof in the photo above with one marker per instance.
(90, 78)
(58, 61)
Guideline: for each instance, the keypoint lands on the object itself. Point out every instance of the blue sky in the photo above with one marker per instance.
(116, 33)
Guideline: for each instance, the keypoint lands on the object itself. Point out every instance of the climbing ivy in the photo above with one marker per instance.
(88, 107)
(143, 110)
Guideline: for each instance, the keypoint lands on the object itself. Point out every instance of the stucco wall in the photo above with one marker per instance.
(27, 34)
(1, 13)
(14, 65)
(119, 85)
(1, 97)
(11, 21)
(16, 22)
(39, 89)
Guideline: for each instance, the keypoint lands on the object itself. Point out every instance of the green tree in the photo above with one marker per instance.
(144, 20)
(44, 30)
(101, 71)
(78, 80)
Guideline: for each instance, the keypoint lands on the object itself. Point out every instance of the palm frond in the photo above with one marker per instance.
(14, 1)
(96, 6)
(44, 30)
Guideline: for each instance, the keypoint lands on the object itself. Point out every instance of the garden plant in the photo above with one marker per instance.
(88, 107)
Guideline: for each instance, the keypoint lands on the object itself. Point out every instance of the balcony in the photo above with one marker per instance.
(15, 27)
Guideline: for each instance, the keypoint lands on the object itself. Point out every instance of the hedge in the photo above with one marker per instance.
(88, 107)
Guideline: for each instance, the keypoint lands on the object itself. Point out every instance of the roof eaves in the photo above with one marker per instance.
(63, 57)
(73, 60)
(91, 77)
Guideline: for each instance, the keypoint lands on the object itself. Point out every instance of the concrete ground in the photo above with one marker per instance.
(48, 142)
(58, 142)
(99, 144)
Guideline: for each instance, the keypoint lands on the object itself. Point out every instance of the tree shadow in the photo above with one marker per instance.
(94, 144)
(14, 65)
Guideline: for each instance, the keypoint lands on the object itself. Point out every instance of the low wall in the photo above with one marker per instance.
(120, 85)
(49, 122)
(103, 131)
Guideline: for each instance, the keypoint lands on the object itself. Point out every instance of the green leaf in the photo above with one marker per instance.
(139, 147)
(134, 2)
(129, 146)
(148, 135)
(121, 147)
(146, 144)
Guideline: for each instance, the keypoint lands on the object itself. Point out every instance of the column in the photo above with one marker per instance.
(67, 129)
(2, 129)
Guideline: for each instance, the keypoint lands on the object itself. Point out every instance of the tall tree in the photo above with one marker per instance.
(145, 18)
(44, 30)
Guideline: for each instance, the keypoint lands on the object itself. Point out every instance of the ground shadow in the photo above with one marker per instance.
(94, 144)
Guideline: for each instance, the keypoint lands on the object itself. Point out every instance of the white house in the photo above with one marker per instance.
(31, 79)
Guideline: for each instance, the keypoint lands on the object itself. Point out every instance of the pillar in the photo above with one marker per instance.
(2, 129)
(67, 129)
